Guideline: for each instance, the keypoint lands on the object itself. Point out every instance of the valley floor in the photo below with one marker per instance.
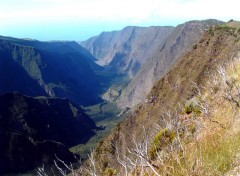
(106, 115)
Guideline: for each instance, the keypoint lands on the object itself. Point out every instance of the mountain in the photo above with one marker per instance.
(125, 51)
(36, 130)
(179, 41)
(13, 76)
(189, 123)
(52, 46)
(144, 54)
(56, 46)
(61, 69)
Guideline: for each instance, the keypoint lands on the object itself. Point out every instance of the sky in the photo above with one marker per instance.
(81, 19)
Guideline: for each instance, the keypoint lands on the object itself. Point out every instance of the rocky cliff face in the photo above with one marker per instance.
(36, 130)
(199, 74)
(54, 69)
(127, 50)
(178, 42)
(13, 77)
(145, 54)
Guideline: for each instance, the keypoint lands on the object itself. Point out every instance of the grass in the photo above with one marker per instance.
(163, 138)
(210, 149)
(215, 150)
(214, 155)
(220, 153)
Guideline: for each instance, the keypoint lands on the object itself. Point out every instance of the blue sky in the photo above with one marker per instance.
(81, 19)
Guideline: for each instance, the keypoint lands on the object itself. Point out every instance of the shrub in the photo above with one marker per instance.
(195, 46)
(162, 139)
(226, 28)
(238, 30)
(192, 107)
(110, 172)
(192, 128)
(211, 31)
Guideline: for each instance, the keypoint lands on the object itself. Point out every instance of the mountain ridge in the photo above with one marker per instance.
(178, 42)
(56, 69)
(144, 55)
(168, 102)
(124, 50)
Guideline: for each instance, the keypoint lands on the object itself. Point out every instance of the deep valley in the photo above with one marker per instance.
(159, 100)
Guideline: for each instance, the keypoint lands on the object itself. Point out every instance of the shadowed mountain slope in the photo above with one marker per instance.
(58, 69)
(13, 76)
(35, 130)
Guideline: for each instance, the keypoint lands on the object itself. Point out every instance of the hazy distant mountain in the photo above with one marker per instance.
(61, 69)
(159, 62)
(31, 129)
(144, 54)
(125, 51)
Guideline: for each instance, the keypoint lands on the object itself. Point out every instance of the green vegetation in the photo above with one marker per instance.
(110, 172)
(232, 28)
(115, 88)
(192, 128)
(225, 28)
(195, 46)
(105, 115)
(193, 107)
(161, 140)
(211, 30)
(220, 153)
(103, 112)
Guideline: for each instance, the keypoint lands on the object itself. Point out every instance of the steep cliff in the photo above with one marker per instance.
(54, 69)
(181, 40)
(127, 50)
(188, 123)
(144, 54)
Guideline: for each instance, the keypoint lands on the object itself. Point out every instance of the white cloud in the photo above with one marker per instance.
(51, 15)
(200, 9)
(132, 10)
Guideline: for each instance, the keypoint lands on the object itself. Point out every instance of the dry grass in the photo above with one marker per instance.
(207, 139)
(213, 148)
